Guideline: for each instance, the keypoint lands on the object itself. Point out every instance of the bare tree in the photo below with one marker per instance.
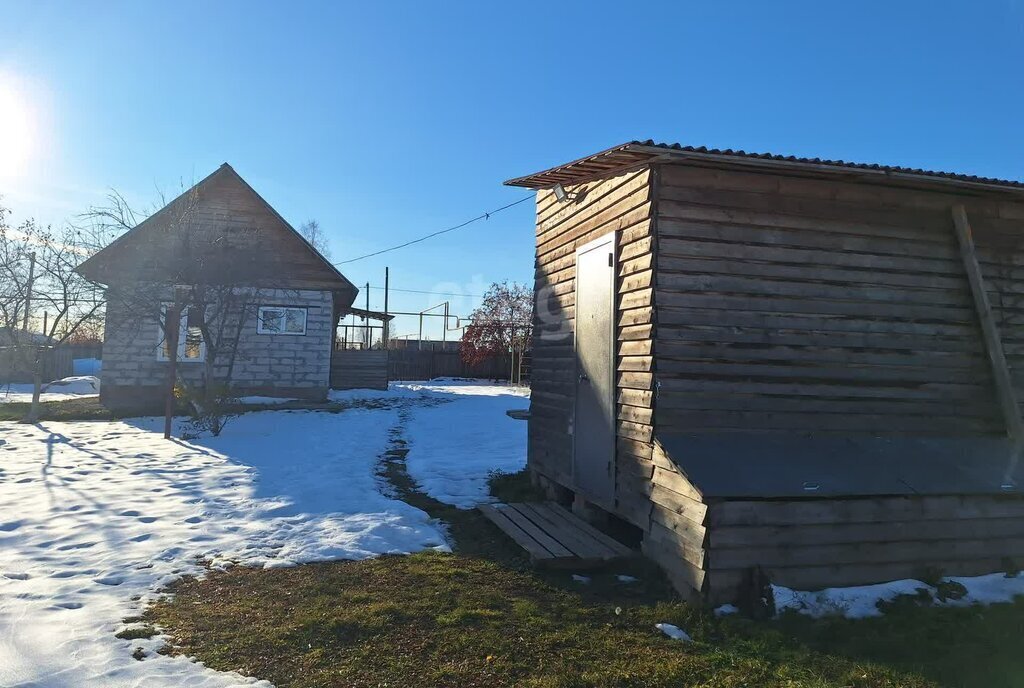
(38, 276)
(316, 237)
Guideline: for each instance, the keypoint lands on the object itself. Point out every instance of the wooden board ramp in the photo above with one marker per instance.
(553, 536)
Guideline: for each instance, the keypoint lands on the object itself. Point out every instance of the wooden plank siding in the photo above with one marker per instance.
(819, 543)
(621, 204)
(755, 301)
(232, 228)
(355, 369)
(789, 304)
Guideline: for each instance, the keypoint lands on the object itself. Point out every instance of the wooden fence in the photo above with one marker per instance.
(359, 369)
(57, 363)
(414, 364)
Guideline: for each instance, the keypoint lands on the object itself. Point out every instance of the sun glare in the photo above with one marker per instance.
(16, 129)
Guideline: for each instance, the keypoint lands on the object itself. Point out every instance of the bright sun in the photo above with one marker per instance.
(16, 130)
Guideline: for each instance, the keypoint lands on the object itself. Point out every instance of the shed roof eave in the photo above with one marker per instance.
(640, 153)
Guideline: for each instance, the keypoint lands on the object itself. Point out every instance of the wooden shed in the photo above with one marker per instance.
(808, 366)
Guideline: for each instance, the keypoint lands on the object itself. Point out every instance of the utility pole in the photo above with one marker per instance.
(368, 332)
(386, 325)
(28, 289)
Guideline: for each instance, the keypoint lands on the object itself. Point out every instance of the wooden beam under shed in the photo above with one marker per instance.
(1006, 396)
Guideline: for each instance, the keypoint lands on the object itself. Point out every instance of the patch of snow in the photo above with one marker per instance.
(457, 445)
(674, 632)
(993, 588)
(858, 602)
(854, 602)
(77, 384)
(726, 610)
(585, 580)
(78, 387)
(268, 401)
(93, 514)
(626, 579)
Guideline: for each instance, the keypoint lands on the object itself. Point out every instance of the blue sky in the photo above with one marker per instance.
(386, 121)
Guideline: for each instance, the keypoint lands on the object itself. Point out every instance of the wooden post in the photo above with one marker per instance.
(172, 323)
(1005, 393)
(369, 332)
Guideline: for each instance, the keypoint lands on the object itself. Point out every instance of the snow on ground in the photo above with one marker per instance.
(93, 514)
(455, 446)
(674, 632)
(77, 387)
(858, 602)
(266, 401)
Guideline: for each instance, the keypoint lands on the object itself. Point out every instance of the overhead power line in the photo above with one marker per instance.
(485, 216)
(427, 291)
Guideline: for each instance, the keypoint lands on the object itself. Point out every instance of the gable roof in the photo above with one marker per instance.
(636, 153)
(224, 199)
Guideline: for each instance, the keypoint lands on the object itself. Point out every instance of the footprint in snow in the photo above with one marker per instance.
(11, 525)
(68, 605)
(130, 513)
(141, 538)
(77, 545)
(71, 574)
(194, 519)
(147, 519)
(109, 580)
(15, 575)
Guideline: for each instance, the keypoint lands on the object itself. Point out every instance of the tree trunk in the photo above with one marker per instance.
(37, 389)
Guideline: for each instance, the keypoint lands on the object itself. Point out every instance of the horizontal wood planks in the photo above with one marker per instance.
(620, 203)
(223, 226)
(811, 544)
(359, 369)
(790, 304)
(553, 536)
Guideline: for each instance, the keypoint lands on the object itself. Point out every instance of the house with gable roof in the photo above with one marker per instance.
(219, 238)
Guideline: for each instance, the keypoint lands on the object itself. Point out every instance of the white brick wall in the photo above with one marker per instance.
(284, 361)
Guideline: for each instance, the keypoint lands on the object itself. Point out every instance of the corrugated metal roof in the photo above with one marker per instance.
(636, 153)
(773, 466)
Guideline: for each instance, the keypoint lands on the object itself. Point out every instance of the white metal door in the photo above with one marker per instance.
(594, 423)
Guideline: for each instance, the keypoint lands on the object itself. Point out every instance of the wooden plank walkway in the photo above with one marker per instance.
(553, 536)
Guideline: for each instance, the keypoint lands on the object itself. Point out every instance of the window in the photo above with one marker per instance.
(281, 320)
(191, 347)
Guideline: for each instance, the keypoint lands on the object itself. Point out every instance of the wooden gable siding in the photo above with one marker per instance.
(798, 304)
(620, 204)
(232, 228)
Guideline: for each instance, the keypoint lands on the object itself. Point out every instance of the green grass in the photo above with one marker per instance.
(451, 620)
(69, 409)
(483, 617)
